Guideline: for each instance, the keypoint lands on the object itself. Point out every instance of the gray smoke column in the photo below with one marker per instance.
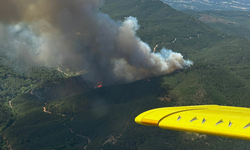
(75, 34)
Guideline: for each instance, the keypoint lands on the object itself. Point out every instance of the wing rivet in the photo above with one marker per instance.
(195, 118)
(204, 120)
(179, 118)
(248, 125)
(219, 122)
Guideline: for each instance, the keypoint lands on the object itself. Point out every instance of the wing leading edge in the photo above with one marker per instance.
(226, 121)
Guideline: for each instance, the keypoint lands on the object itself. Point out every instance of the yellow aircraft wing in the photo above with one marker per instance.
(226, 121)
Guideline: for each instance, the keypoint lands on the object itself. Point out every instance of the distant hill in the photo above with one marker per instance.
(229, 22)
(241, 5)
(103, 118)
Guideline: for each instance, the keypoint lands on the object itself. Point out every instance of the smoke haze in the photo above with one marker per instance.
(75, 34)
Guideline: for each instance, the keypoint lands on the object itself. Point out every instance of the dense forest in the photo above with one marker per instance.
(13, 83)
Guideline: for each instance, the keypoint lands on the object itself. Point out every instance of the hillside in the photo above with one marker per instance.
(65, 113)
(103, 118)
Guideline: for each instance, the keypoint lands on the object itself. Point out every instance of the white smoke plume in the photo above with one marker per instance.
(75, 34)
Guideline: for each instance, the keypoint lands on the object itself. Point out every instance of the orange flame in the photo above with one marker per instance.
(98, 85)
(148, 79)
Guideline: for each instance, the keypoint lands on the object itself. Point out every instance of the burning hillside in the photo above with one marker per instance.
(43, 33)
(98, 84)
